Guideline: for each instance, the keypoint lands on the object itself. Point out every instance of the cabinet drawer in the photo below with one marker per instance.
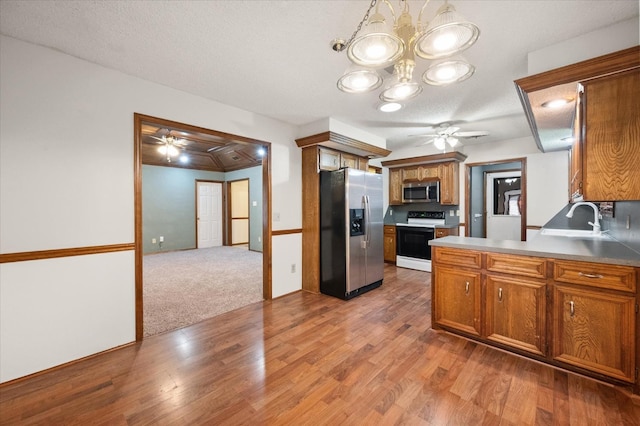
(519, 265)
(390, 229)
(598, 275)
(441, 233)
(466, 258)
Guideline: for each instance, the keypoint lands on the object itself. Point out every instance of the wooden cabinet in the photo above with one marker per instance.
(395, 187)
(515, 312)
(594, 317)
(348, 160)
(445, 232)
(447, 173)
(390, 243)
(611, 146)
(329, 159)
(595, 330)
(449, 187)
(410, 174)
(456, 299)
(581, 316)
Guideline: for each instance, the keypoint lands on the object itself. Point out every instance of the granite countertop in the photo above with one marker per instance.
(581, 249)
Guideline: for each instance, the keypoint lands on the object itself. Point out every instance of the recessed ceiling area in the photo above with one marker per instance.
(203, 151)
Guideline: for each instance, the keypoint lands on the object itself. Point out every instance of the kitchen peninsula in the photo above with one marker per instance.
(568, 302)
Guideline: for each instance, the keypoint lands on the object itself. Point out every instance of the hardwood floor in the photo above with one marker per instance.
(313, 359)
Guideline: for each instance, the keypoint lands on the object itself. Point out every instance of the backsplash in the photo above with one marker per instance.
(398, 213)
(623, 212)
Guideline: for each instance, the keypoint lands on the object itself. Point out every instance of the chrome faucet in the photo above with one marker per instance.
(596, 221)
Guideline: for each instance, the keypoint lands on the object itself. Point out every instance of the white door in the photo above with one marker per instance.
(209, 214)
(503, 205)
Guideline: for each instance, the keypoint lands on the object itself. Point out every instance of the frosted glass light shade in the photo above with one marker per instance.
(359, 80)
(439, 143)
(447, 72)
(401, 92)
(377, 47)
(448, 34)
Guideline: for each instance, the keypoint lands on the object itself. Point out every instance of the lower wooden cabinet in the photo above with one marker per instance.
(595, 330)
(457, 295)
(389, 243)
(578, 315)
(445, 232)
(516, 312)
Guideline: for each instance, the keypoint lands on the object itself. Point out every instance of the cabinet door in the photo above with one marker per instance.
(395, 186)
(348, 160)
(612, 140)
(328, 159)
(516, 314)
(449, 183)
(411, 173)
(429, 172)
(390, 243)
(595, 330)
(456, 297)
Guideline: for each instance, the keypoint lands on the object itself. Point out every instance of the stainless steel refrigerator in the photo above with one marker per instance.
(351, 232)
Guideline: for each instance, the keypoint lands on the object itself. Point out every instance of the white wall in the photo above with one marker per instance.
(66, 180)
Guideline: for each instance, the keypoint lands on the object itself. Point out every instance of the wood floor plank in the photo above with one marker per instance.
(311, 359)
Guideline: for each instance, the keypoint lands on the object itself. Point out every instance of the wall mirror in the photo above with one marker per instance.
(553, 128)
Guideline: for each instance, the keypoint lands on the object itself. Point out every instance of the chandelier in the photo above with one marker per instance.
(376, 44)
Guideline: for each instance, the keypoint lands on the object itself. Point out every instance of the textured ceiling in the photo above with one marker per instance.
(273, 57)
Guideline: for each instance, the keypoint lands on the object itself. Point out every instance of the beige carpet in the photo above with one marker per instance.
(185, 287)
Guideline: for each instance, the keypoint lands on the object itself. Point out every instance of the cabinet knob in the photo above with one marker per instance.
(500, 294)
(572, 308)
(466, 288)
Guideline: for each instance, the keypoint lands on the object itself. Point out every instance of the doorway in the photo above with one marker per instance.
(502, 205)
(209, 214)
(477, 207)
(203, 145)
(239, 211)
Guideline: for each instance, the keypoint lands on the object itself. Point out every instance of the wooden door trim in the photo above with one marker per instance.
(138, 119)
(523, 194)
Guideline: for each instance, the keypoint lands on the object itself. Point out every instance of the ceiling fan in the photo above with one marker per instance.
(170, 145)
(450, 135)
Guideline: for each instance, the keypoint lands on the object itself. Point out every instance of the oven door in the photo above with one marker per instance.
(413, 241)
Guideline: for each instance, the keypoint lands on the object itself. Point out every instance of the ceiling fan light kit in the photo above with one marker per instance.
(374, 45)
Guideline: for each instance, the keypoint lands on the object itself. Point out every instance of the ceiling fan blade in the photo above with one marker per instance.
(423, 135)
(471, 134)
(450, 130)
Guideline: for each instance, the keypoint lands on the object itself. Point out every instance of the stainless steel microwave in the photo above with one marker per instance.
(421, 192)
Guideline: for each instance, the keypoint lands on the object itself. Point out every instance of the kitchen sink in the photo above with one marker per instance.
(574, 233)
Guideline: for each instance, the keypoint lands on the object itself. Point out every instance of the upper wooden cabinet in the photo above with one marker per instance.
(395, 186)
(611, 145)
(442, 167)
(605, 120)
(329, 159)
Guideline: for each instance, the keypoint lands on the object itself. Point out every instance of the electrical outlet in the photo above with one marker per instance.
(451, 213)
(259, 239)
(162, 239)
(153, 241)
(293, 268)
(276, 217)
(390, 212)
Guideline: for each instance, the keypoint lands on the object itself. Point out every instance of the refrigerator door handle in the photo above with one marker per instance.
(368, 219)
